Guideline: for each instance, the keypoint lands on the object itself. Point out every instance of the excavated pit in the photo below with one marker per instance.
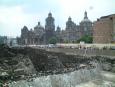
(28, 61)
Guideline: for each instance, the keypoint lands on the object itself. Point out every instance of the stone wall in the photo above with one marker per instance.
(84, 52)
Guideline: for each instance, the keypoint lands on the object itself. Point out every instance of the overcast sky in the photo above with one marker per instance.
(14, 14)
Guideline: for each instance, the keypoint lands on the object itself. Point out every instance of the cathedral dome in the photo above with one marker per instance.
(85, 18)
(39, 26)
(25, 29)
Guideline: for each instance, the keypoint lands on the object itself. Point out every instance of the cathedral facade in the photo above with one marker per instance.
(74, 32)
(86, 26)
(42, 35)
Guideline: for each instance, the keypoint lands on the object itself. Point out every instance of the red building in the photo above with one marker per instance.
(104, 29)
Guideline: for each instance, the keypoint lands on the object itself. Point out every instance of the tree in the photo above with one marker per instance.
(86, 39)
(53, 40)
(66, 41)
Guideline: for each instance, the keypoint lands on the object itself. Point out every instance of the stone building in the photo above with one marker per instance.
(74, 32)
(49, 28)
(104, 29)
(86, 27)
(29, 37)
(41, 35)
(58, 33)
(71, 33)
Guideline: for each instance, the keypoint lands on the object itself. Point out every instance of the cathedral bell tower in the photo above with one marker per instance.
(49, 27)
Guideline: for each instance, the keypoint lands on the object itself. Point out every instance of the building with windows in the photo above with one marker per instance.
(74, 32)
(49, 28)
(86, 27)
(104, 29)
(71, 32)
(29, 37)
(41, 35)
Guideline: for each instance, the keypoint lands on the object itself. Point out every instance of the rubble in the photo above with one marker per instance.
(24, 62)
